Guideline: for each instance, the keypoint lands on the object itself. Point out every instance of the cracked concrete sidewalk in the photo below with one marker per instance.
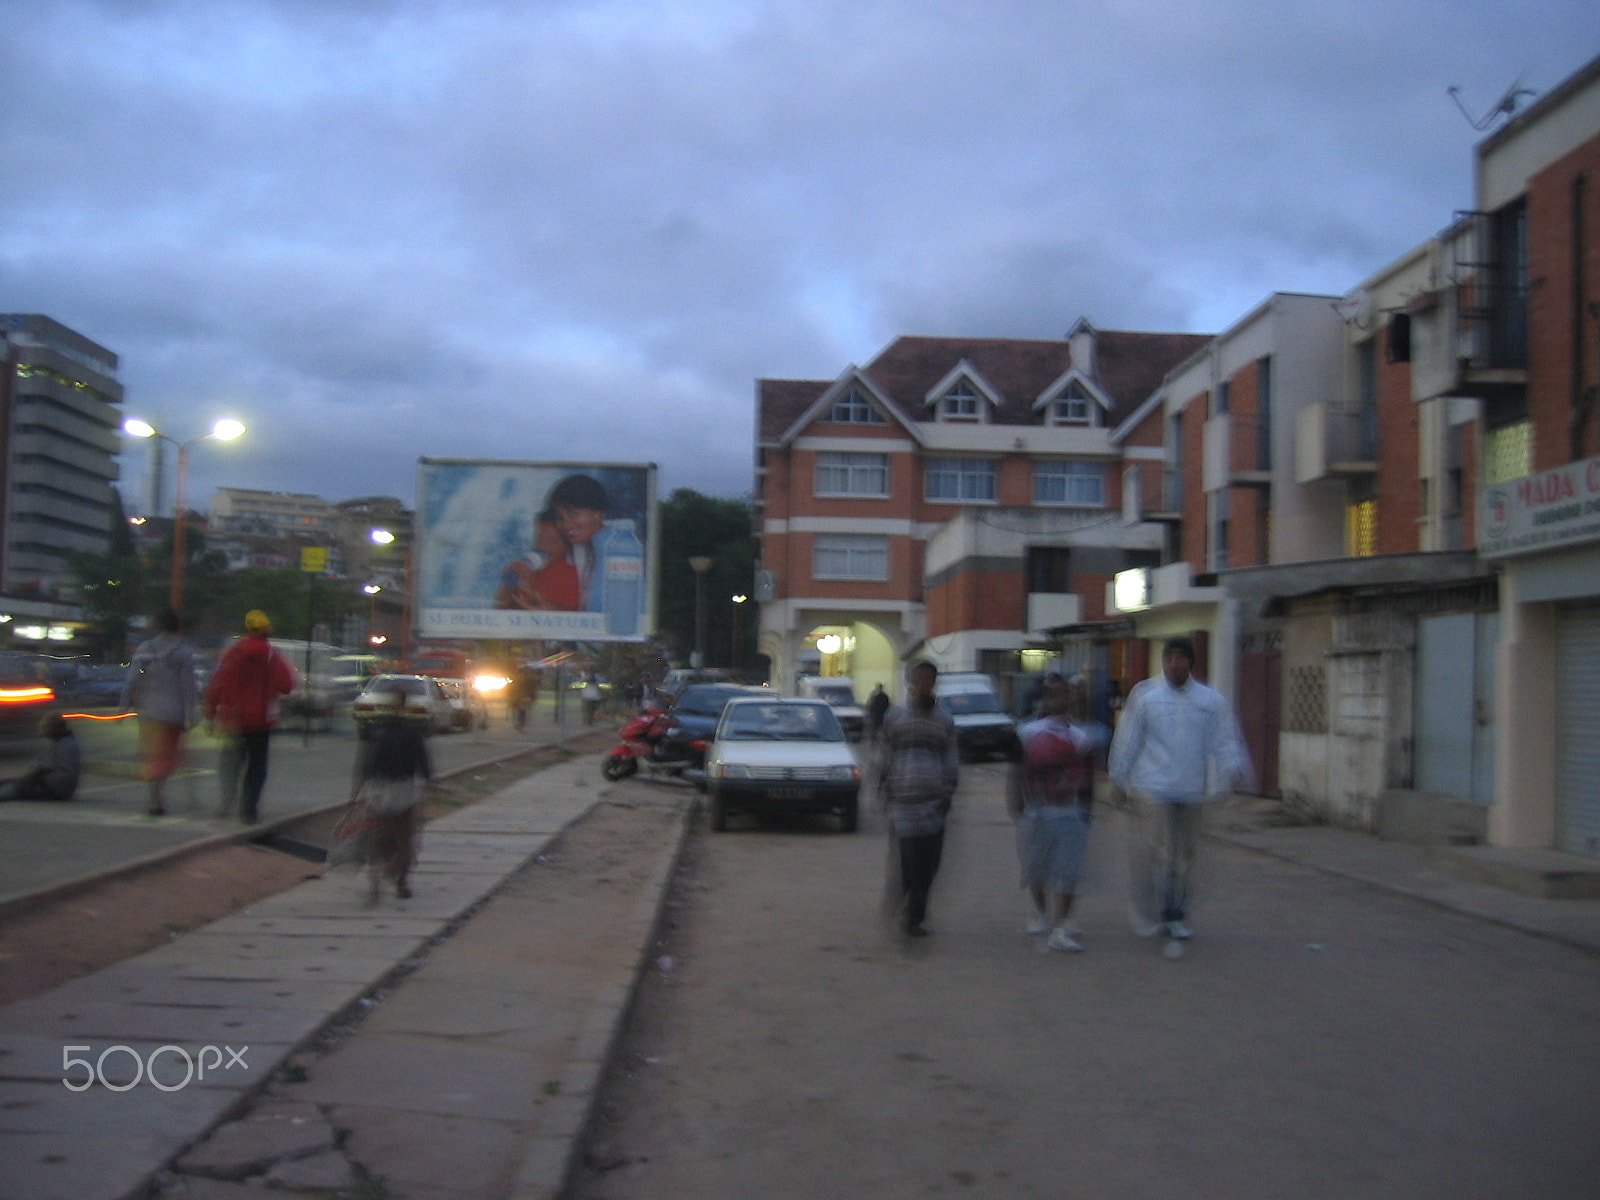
(480, 1071)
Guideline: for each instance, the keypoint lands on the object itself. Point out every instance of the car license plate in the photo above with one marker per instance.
(788, 793)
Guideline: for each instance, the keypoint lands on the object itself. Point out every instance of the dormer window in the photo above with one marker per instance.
(1072, 407)
(960, 403)
(854, 409)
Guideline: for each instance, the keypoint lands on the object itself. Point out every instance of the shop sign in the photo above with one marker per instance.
(1555, 508)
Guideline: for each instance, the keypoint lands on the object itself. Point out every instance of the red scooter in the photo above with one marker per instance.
(645, 741)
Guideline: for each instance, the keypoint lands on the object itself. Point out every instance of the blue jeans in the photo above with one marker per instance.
(1162, 845)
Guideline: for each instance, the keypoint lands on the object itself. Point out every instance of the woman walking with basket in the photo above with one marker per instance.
(391, 760)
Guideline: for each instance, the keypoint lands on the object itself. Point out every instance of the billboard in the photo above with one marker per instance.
(519, 550)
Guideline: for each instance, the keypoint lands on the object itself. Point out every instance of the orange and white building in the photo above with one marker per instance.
(953, 498)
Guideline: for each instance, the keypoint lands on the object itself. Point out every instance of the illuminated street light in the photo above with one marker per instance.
(225, 430)
(733, 642)
(385, 537)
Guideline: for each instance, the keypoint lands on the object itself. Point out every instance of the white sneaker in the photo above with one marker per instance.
(1038, 924)
(1064, 939)
(1141, 926)
(1178, 931)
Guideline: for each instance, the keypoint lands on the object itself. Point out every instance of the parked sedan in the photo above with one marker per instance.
(773, 755)
(693, 719)
(425, 702)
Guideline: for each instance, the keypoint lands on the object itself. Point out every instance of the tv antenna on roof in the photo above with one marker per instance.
(1506, 106)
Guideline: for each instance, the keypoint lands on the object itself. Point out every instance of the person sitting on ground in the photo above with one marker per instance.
(55, 777)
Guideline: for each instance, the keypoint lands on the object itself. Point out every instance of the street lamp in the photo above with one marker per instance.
(225, 430)
(372, 590)
(385, 537)
(701, 564)
(733, 642)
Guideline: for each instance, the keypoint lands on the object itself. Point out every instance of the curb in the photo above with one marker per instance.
(546, 1167)
(404, 966)
(1446, 903)
(15, 905)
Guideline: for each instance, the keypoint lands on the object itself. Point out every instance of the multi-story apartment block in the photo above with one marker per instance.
(276, 514)
(1530, 340)
(59, 420)
(954, 498)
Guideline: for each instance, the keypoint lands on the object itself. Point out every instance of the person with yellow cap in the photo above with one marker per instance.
(242, 703)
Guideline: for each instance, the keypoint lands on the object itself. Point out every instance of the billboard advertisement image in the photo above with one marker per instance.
(550, 551)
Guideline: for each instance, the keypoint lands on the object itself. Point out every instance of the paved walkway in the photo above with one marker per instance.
(1409, 870)
(261, 983)
(265, 982)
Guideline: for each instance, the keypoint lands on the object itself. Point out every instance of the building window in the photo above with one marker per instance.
(841, 474)
(1219, 399)
(850, 556)
(1073, 483)
(1072, 408)
(960, 403)
(854, 409)
(1264, 413)
(960, 479)
(1361, 528)
(1049, 569)
(1508, 452)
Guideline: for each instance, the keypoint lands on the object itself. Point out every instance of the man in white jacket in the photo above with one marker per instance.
(1177, 748)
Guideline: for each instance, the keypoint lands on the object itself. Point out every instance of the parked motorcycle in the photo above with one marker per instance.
(646, 741)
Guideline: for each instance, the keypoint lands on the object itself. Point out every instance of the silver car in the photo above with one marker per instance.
(776, 755)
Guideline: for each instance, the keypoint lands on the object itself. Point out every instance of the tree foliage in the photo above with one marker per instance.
(692, 525)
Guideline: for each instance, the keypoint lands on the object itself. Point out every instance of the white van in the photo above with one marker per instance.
(840, 694)
(982, 725)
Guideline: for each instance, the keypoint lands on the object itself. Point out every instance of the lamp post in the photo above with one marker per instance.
(225, 430)
(372, 590)
(733, 642)
(385, 537)
(701, 564)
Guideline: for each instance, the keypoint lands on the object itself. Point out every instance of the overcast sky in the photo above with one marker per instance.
(537, 229)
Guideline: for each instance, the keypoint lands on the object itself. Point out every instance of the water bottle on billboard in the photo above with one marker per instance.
(623, 581)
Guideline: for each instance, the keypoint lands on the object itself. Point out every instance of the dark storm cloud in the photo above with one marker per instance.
(378, 230)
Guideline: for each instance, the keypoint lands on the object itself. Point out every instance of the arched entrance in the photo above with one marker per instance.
(857, 650)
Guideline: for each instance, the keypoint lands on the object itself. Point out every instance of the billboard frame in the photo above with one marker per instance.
(437, 619)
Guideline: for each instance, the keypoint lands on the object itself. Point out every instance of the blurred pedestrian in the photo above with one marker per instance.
(55, 776)
(161, 689)
(389, 765)
(877, 709)
(917, 778)
(1052, 799)
(1177, 748)
(241, 703)
(592, 695)
(524, 695)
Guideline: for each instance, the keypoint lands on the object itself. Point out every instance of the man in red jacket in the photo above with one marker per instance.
(242, 703)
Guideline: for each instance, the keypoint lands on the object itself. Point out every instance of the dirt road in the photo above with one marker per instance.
(1320, 1039)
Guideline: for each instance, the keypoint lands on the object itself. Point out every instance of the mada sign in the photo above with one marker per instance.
(1555, 508)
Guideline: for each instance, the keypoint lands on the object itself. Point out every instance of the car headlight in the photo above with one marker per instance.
(844, 773)
(733, 771)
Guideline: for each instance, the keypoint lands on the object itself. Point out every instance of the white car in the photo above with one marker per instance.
(775, 755)
(425, 702)
(467, 707)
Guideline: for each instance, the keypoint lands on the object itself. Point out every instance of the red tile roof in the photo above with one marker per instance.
(1130, 367)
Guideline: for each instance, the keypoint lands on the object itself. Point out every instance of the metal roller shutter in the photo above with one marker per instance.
(1578, 730)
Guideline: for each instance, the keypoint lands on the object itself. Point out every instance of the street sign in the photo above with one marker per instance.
(314, 559)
